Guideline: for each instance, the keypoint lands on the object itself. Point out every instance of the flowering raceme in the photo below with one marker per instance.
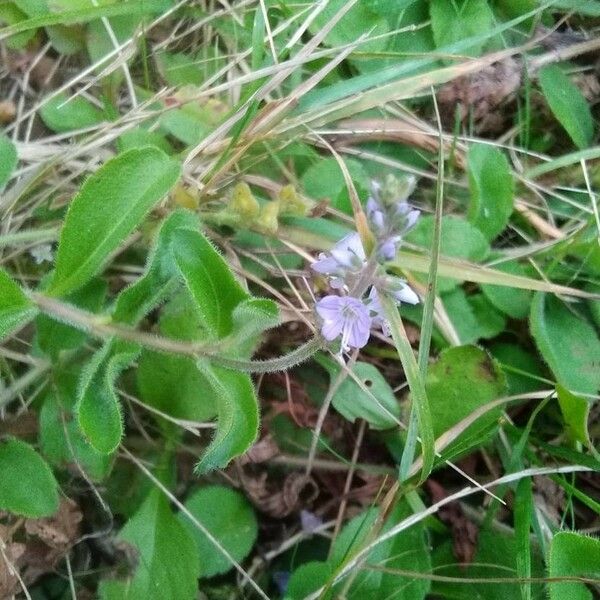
(360, 279)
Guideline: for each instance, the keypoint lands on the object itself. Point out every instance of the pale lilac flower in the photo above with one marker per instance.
(389, 221)
(346, 257)
(402, 294)
(310, 522)
(345, 316)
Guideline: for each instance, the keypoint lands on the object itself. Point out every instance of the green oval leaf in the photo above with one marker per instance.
(109, 206)
(352, 402)
(491, 186)
(62, 113)
(237, 410)
(462, 380)
(573, 554)
(15, 307)
(98, 408)
(568, 105)
(27, 486)
(229, 517)
(209, 279)
(568, 343)
(167, 565)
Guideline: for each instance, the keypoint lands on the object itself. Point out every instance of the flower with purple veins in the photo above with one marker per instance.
(345, 316)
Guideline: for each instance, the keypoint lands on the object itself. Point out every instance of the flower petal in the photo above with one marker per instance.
(329, 308)
(406, 295)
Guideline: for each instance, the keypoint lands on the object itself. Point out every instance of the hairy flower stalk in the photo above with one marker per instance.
(361, 278)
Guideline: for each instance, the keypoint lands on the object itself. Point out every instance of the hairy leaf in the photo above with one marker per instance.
(98, 408)
(237, 420)
(27, 486)
(567, 342)
(209, 279)
(15, 307)
(491, 186)
(109, 206)
(229, 517)
(573, 554)
(168, 562)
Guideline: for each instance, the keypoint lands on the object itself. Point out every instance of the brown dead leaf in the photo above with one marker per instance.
(61, 529)
(269, 496)
(8, 111)
(479, 95)
(10, 555)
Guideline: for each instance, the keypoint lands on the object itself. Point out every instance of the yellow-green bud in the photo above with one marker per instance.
(243, 202)
(291, 202)
(268, 219)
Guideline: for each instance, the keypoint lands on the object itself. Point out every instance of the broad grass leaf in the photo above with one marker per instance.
(491, 187)
(8, 159)
(209, 279)
(98, 408)
(108, 207)
(568, 105)
(573, 554)
(237, 416)
(567, 342)
(230, 518)
(463, 379)
(168, 562)
(27, 486)
(358, 20)
(62, 113)
(15, 307)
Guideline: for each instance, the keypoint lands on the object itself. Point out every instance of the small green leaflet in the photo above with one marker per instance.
(168, 561)
(491, 186)
(229, 517)
(568, 105)
(108, 207)
(209, 279)
(567, 342)
(98, 408)
(237, 421)
(27, 486)
(15, 307)
(62, 113)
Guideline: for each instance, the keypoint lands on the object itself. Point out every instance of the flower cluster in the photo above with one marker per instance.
(389, 222)
(352, 314)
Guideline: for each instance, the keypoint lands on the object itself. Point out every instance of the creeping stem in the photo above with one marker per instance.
(100, 326)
